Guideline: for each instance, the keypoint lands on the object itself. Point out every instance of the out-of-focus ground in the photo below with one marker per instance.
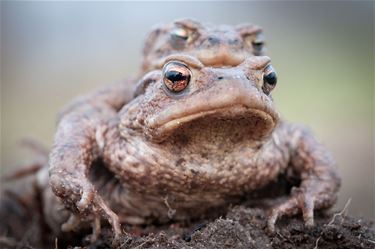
(323, 52)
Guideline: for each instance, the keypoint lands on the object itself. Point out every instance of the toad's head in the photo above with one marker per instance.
(188, 97)
(213, 45)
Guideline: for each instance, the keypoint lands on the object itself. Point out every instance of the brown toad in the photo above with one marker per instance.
(194, 139)
(213, 45)
(221, 45)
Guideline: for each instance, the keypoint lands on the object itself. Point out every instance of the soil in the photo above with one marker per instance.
(241, 227)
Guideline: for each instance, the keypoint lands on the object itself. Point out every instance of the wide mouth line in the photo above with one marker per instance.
(195, 115)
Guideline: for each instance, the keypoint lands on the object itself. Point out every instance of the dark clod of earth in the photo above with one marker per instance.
(241, 227)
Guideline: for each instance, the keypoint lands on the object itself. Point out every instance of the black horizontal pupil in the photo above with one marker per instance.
(177, 36)
(270, 78)
(175, 76)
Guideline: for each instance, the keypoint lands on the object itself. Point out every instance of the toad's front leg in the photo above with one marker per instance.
(78, 142)
(319, 177)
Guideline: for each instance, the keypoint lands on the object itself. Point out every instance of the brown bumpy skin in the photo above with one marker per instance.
(214, 45)
(181, 155)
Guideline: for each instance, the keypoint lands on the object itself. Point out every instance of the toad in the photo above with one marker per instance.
(218, 46)
(194, 139)
(213, 45)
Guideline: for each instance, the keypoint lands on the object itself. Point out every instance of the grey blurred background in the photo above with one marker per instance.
(323, 52)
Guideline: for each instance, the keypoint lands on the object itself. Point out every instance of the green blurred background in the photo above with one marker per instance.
(323, 52)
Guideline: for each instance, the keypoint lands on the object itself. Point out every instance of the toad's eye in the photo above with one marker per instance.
(179, 36)
(180, 33)
(258, 45)
(176, 76)
(269, 79)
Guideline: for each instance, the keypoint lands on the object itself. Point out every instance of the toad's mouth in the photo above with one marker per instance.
(223, 113)
(228, 121)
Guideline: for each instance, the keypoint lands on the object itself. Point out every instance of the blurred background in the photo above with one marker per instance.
(323, 52)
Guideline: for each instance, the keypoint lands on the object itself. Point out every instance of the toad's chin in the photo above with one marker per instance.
(232, 124)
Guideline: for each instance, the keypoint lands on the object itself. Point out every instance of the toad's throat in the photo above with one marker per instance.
(227, 125)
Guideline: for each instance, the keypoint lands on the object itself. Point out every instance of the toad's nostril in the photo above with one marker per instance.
(213, 40)
(234, 41)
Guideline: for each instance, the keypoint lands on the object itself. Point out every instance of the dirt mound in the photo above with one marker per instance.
(242, 227)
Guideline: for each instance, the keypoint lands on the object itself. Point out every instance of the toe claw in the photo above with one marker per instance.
(272, 221)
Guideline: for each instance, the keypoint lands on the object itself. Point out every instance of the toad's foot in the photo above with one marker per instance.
(82, 194)
(299, 201)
